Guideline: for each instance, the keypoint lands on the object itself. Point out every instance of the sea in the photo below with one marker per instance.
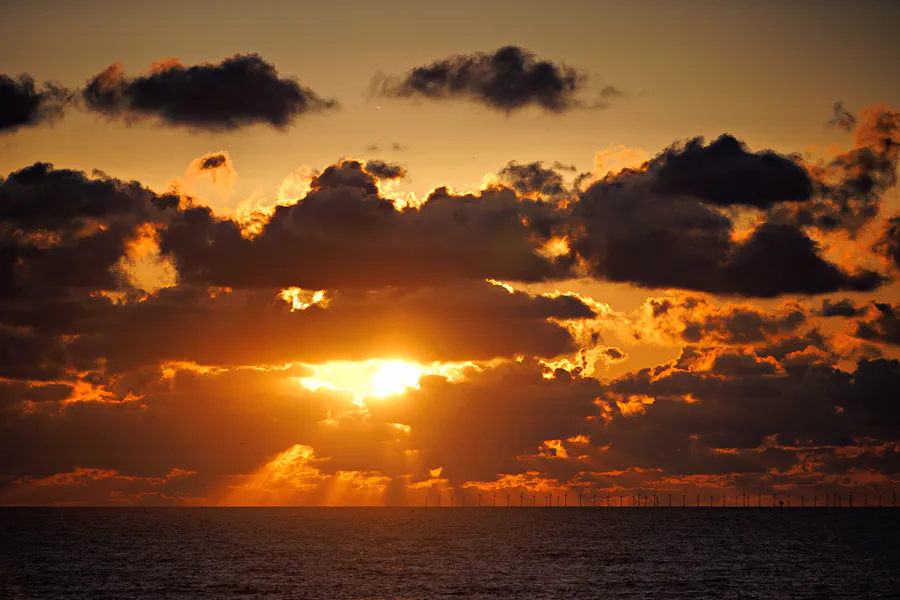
(439, 553)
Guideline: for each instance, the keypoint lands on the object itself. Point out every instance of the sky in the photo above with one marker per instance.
(373, 253)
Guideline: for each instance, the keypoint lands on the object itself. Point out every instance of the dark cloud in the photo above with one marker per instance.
(621, 229)
(786, 334)
(40, 197)
(23, 104)
(881, 324)
(62, 229)
(384, 170)
(840, 308)
(612, 92)
(842, 117)
(739, 325)
(663, 225)
(889, 243)
(395, 147)
(753, 266)
(613, 355)
(563, 167)
(736, 363)
(211, 162)
(742, 405)
(801, 349)
(725, 173)
(479, 429)
(534, 178)
(236, 437)
(627, 232)
(239, 91)
(347, 173)
(509, 79)
(850, 187)
(866, 172)
(360, 240)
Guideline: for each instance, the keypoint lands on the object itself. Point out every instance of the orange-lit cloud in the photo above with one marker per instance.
(670, 327)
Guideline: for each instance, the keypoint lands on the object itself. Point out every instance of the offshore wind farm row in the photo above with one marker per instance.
(760, 500)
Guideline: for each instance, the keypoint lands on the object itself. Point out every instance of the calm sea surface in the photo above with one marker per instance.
(449, 553)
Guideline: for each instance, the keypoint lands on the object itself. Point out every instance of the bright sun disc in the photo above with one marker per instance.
(394, 378)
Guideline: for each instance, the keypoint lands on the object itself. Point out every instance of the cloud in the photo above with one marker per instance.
(40, 197)
(219, 371)
(889, 242)
(612, 92)
(209, 181)
(712, 419)
(236, 437)
(509, 79)
(348, 173)
(65, 230)
(535, 179)
(446, 323)
(240, 91)
(478, 428)
(695, 320)
(725, 173)
(737, 415)
(360, 240)
(625, 231)
(211, 162)
(383, 170)
(23, 104)
(849, 188)
(843, 118)
(881, 324)
(840, 308)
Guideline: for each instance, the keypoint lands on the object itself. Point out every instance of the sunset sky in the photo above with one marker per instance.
(366, 253)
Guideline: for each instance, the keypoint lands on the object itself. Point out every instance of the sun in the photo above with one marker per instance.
(394, 378)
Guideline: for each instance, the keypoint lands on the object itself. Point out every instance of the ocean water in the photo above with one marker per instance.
(367, 553)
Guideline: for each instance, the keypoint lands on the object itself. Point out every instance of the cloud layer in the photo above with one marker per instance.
(157, 349)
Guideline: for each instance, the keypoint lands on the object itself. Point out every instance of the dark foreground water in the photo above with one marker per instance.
(449, 553)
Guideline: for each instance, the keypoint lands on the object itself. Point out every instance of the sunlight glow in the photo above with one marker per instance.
(394, 378)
